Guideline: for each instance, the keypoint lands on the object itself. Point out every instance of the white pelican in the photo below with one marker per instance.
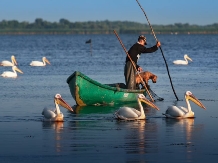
(56, 115)
(183, 62)
(8, 63)
(178, 112)
(127, 113)
(38, 63)
(9, 74)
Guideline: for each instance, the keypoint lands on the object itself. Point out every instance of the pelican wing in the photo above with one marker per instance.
(36, 63)
(175, 111)
(48, 114)
(182, 62)
(6, 63)
(127, 113)
(8, 74)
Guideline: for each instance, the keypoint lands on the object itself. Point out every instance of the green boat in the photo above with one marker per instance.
(87, 91)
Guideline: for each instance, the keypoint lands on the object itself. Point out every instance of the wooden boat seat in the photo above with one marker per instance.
(117, 85)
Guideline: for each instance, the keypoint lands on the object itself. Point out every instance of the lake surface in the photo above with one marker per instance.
(91, 134)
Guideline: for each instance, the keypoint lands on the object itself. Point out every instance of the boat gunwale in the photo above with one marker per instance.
(77, 73)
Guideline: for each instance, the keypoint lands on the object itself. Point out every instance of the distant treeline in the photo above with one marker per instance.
(64, 26)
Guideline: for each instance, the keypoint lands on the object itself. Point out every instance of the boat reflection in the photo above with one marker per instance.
(104, 109)
(101, 109)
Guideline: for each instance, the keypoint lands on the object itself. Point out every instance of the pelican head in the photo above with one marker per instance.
(13, 60)
(45, 60)
(15, 68)
(60, 101)
(142, 98)
(190, 96)
(187, 57)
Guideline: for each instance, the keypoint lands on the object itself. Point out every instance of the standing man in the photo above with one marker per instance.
(134, 53)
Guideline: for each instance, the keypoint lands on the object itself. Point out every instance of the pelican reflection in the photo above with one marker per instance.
(58, 137)
(140, 136)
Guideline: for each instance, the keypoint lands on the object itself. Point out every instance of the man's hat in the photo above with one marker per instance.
(142, 37)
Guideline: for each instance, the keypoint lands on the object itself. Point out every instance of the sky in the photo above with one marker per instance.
(159, 12)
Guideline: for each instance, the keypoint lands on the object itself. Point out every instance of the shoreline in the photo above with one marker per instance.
(105, 33)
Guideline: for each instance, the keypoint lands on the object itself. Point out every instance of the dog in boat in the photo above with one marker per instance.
(145, 75)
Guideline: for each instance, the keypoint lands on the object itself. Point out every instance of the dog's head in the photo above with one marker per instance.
(154, 78)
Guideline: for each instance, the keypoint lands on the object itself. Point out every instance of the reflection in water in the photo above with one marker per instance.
(93, 109)
(183, 133)
(140, 136)
(135, 141)
(101, 109)
(94, 130)
(186, 124)
(58, 127)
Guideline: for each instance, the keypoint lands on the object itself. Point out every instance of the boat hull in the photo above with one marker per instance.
(86, 91)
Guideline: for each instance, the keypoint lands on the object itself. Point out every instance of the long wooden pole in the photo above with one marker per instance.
(134, 66)
(160, 49)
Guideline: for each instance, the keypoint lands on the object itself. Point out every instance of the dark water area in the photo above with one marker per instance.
(91, 134)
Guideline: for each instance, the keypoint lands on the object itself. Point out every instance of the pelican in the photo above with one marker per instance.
(56, 115)
(127, 113)
(8, 63)
(9, 74)
(178, 112)
(183, 62)
(38, 63)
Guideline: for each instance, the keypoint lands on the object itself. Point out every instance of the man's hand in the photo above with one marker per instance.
(140, 69)
(158, 44)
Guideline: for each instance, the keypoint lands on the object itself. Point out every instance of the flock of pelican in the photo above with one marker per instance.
(123, 113)
(127, 113)
(13, 64)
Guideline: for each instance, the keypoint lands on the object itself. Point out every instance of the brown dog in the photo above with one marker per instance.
(146, 75)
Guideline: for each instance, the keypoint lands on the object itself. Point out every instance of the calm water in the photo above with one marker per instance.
(91, 134)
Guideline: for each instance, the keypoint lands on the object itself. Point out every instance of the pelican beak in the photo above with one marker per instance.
(46, 60)
(189, 58)
(151, 104)
(17, 69)
(196, 101)
(14, 60)
(64, 104)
